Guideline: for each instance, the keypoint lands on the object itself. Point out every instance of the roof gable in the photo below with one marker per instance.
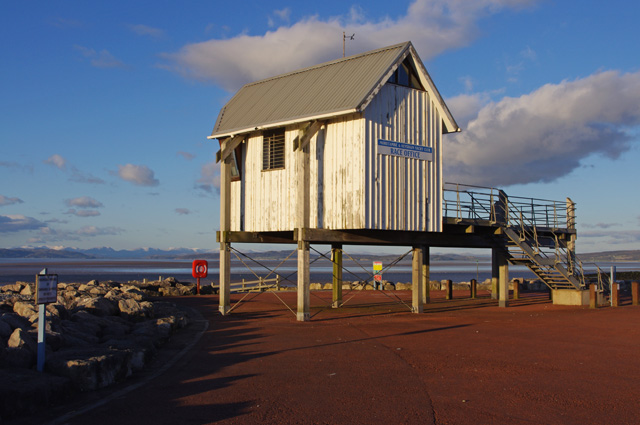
(330, 89)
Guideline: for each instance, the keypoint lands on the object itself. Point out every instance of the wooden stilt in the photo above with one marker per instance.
(302, 223)
(503, 279)
(304, 293)
(225, 227)
(416, 279)
(336, 258)
(426, 275)
(495, 271)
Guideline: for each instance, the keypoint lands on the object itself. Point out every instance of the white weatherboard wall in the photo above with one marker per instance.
(269, 196)
(403, 193)
(351, 185)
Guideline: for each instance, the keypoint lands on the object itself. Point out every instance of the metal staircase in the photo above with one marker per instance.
(539, 234)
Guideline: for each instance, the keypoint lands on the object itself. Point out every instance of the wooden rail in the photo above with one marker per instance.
(253, 285)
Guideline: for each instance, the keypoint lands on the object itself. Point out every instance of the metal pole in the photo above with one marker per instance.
(42, 325)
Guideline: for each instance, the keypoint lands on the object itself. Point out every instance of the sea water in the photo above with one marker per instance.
(321, 270)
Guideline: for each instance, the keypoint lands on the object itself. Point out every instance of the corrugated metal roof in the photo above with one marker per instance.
(329, 89)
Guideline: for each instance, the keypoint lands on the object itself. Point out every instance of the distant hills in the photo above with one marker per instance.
(103, 253)
(609, 256)
(190, 254)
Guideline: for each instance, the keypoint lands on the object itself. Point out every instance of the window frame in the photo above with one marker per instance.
(410, 73)
(273, 149)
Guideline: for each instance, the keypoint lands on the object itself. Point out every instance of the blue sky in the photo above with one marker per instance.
(106, 106)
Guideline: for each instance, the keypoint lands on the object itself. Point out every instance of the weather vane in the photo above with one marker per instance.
(344, 39)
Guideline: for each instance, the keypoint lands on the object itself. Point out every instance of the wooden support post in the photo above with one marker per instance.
(304, 292)
(615, 295)
(336, 258)
(516, 289)
(426, 275)
(473, 287)
(495, 272)
(225, 246)
(635, 288)
(302, 178)
(593, 296)
(416, 280)
(449, 290)
(503, 279)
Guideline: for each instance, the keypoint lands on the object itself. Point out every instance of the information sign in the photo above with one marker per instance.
(405, 150)
(46, 288)
(377, 271)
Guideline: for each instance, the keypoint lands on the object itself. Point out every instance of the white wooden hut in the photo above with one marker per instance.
(351, 144)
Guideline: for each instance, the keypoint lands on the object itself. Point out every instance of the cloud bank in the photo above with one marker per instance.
(18, 223)
(543, 135)
(432, 25)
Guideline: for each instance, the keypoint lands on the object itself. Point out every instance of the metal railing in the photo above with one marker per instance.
(468, 202)
(525, 216)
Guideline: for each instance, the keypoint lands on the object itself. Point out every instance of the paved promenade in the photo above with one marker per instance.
(461, 362)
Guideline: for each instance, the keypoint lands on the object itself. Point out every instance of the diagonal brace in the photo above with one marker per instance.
(228, 145)
(301, 142)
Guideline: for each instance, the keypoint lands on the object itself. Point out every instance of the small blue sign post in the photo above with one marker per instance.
(46, 293)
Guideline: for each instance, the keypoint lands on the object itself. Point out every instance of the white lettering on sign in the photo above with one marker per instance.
(405, 150)
(46, 288)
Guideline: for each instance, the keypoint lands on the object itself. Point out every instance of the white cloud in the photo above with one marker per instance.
(83, 202)
(600, 225)
(432, 25)
(140, 175)
(81, 177)
(83, 213)
(282, 14)
(101, 59)
(98, 231)
(77, 176)
(18, 222)
(209, 177)
(9, 201)
(614, 237)
(57, 161)
(146, 30)
(186, 155)
(545, 134)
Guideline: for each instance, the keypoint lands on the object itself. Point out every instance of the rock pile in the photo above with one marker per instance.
(97, 333)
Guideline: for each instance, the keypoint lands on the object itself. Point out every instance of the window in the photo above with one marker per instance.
(273, 149)
(406, 75)
(235, 165)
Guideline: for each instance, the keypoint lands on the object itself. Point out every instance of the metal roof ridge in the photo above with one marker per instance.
(329, 63)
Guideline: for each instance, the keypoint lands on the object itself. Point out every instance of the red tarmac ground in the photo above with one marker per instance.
(372, 362)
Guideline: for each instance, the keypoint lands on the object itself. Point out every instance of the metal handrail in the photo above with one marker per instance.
(523, 215)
